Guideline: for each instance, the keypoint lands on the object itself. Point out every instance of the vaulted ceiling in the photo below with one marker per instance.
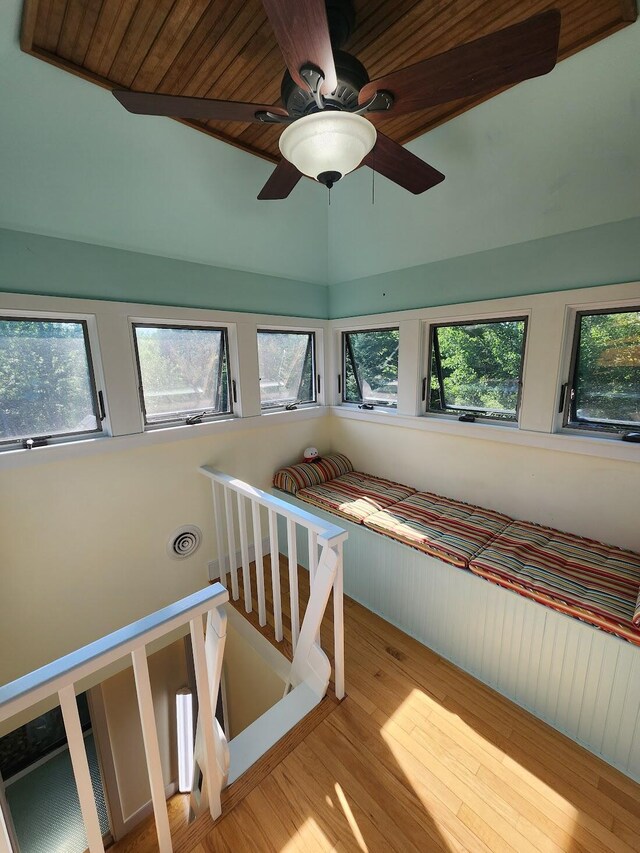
(225, 49)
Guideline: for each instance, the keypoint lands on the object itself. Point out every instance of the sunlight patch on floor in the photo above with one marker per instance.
(469, 770)
(308, 837)
(353, 825)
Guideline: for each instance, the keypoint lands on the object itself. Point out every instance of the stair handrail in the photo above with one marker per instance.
(322, 535)
(62, 675)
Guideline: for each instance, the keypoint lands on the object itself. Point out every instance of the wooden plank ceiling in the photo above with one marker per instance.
(225, 48)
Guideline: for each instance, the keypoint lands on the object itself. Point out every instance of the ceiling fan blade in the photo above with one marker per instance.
(181, 106)
(390, 159)
(283, 179)
(302, 31)
(516, 53)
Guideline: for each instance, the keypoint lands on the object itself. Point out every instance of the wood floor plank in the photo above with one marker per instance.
(419, 757)
(303, 779)
(388, 802)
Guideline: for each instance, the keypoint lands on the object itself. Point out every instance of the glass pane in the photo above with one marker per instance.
(45, 385)
(286, 368)
(184, 372)
(478, 369)
(371, 367)
(607, 379)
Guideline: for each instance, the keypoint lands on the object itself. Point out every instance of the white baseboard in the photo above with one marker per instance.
(214, 565)
(144, 811)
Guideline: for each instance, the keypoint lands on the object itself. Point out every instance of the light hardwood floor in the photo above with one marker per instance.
(419, 757)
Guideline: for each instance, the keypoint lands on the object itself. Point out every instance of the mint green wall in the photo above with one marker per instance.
(552, 155)
(542, 192)
(606, 254)
(30, 263)
(74, 164)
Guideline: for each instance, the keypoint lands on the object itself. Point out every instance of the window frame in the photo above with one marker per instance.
(391, 407)
(480, 415)
(96, 380)
(567, 401)
(147, 322)
(313, 335)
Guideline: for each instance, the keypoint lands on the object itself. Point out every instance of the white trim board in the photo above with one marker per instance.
(214, 565)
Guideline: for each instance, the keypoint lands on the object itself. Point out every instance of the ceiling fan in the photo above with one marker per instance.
(327, 95)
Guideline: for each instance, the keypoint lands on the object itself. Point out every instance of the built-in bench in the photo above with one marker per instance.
(588, 580)
(583, 681)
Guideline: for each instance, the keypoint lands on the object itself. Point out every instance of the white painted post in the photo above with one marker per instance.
(313, 556)
(231, 537)
(78, 753)
(214, 644)
(338, 625)
(206, 687)
(293, 581)
(244, 550)
(275, 573)
(313, 567)
(217, 511)
(151, 748)
(257, 546)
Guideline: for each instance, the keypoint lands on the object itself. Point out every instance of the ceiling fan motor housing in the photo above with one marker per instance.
(341, 17)
(352, 76)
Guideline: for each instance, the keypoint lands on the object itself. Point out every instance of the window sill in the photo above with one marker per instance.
(282, 410)
(446, 418)
(606, 448)
(377, 410)
(78, 449)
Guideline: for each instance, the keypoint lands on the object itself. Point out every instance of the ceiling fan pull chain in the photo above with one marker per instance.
(373, 180)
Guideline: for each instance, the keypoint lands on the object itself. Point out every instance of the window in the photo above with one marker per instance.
(183, 372)
(287, 368)
(476, 368)
(604, 384)
(370, 367)
(47, 388)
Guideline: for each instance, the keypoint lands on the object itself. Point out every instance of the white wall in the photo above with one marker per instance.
(122, 750)
(590, 496)
(82, 540)
(251, 684)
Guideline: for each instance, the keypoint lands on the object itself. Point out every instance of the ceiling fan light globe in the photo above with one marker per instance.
(330, 141)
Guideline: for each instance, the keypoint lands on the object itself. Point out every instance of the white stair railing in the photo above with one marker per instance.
(61, 677)
(208, 765)
(310, 664)
(325, 544)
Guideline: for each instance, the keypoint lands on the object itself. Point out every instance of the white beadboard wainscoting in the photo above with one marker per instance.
(582, 681)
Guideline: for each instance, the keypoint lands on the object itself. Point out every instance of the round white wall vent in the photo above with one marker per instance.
(184, 542)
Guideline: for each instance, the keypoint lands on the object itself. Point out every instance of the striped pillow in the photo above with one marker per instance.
(296, 477)
(636, 613)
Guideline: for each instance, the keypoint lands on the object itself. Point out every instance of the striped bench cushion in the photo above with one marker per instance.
(296, 477)
(355, 495)
(449, 530)
(588, 580)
